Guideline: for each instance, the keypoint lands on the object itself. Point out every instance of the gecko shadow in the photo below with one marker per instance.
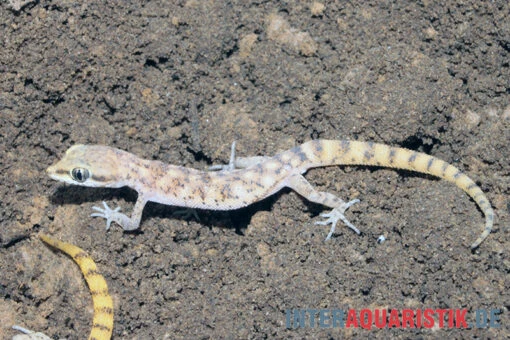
(237, 219)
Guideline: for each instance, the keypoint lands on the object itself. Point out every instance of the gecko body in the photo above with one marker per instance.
(259, 177)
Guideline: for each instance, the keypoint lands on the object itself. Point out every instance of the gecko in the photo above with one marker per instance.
(246, 179)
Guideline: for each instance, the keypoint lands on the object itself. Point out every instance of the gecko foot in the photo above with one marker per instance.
(231, 164)
(338, 214)
(107, 213)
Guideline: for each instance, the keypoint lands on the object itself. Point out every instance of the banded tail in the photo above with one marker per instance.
(333, 152)
(102, 323)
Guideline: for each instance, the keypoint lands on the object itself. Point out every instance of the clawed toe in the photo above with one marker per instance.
(231, 164)
(105, 213)
(338, 214)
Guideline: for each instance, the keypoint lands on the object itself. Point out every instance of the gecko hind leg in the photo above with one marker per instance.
(338, 214)
(299, 184)
(238, 162)
(231, 164)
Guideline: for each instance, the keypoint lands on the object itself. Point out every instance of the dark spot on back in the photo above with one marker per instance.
(302, 156)
(345, 145)
(317, 145)
(201, 193)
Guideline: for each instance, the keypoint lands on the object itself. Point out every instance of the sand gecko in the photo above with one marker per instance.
(259, 177)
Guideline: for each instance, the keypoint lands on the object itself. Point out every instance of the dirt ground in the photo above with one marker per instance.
(179, 81)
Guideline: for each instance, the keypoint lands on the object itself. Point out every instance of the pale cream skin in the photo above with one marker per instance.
(260, 177)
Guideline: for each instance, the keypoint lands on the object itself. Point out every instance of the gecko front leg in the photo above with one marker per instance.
(114, 215)
(299, 184)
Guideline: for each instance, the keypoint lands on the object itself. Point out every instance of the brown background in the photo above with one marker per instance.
(179, 81)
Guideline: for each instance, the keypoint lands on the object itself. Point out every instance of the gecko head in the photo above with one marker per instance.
(91, 166)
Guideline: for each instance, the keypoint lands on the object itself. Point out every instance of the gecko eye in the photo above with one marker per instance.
(80, 174)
